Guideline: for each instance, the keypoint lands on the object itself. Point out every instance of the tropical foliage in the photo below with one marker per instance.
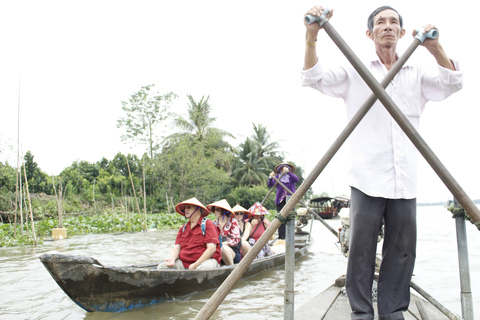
(194, 161)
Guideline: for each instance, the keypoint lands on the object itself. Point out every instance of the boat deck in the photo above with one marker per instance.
(332, 304)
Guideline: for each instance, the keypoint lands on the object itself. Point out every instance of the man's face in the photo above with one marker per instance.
(189, 209)
(386, 28)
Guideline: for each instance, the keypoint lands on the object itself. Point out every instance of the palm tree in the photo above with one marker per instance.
(265, 150)
(256, 158)
(199, 122)
(199, 127)
(250, 169)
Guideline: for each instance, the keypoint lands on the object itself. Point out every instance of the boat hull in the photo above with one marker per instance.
(95, 287)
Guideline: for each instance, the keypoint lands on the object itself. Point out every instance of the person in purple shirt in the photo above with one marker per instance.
(288, 179)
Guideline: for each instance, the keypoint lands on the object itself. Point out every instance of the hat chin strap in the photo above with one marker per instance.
(192, 213)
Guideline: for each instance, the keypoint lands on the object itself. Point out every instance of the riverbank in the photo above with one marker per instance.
(110, 221)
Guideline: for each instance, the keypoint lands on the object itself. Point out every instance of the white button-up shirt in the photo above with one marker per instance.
(383, 159)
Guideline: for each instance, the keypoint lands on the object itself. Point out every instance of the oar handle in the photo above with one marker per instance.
(432, 34)
(321, 19)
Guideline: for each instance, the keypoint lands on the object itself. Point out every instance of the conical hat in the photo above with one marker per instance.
(258, 210)
(221, 204)
(239, 208)
(291, 166)
(180, 208)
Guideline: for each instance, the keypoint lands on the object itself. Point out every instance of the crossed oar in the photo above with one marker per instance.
(378, 93)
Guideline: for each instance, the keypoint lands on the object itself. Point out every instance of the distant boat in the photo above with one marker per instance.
(96, 287)
(328, 207)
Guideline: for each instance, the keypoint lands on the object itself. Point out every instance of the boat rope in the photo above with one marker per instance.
(458, 211)
(283, 220)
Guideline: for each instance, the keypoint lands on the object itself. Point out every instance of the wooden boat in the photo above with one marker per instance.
(332, 304)
(96, 287)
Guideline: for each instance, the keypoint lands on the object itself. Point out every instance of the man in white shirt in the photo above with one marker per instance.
(383, 160)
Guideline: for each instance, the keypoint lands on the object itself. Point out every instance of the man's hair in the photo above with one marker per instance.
(377, 11)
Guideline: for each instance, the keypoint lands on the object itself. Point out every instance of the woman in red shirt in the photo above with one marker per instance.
(229, 231)
(259, 225)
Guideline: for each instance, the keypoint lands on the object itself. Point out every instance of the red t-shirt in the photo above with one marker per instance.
(193, 243)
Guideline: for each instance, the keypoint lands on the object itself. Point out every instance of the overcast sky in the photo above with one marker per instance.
(75, 61)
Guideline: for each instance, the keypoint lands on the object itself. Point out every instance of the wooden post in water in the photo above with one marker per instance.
(289, 295)
(463, 263)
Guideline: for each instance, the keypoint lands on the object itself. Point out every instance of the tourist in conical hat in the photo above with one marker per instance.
(229, 231)
(259, 224)
(242, 215)
(288, 179)
(197, 245)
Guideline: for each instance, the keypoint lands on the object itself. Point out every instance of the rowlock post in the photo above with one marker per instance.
(465, 287)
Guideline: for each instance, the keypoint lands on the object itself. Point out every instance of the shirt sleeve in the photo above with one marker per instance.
(211, 233)
(332, 81)
(437, 87)
(293, 176)
(270, 182)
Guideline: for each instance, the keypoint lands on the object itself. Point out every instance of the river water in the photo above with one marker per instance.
(27, 290)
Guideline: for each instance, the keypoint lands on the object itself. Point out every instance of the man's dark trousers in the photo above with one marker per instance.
(398, 255)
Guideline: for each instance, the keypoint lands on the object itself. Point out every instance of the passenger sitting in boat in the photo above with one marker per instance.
(241, 214)
(197, 245)
(259, 224)
(229, 231)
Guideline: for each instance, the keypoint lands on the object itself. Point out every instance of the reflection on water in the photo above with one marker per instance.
(27, 290)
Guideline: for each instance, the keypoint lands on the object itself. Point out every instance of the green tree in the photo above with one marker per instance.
(256, 157)
(144, 112)
(8, 176)
(186, 170)
(38, 181)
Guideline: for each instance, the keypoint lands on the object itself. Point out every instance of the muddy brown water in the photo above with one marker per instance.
(27, 291)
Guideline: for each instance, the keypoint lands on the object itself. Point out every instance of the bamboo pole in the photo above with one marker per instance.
(19, 175)
(133, 187)
(144, 196)
(16, 208)
(94, 202)
(59, 203)
(30, 206)
(19, 172)
(60, 207)
(168, 203)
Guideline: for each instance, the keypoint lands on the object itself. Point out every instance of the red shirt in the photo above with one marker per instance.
(231, 231)
(193, 243)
